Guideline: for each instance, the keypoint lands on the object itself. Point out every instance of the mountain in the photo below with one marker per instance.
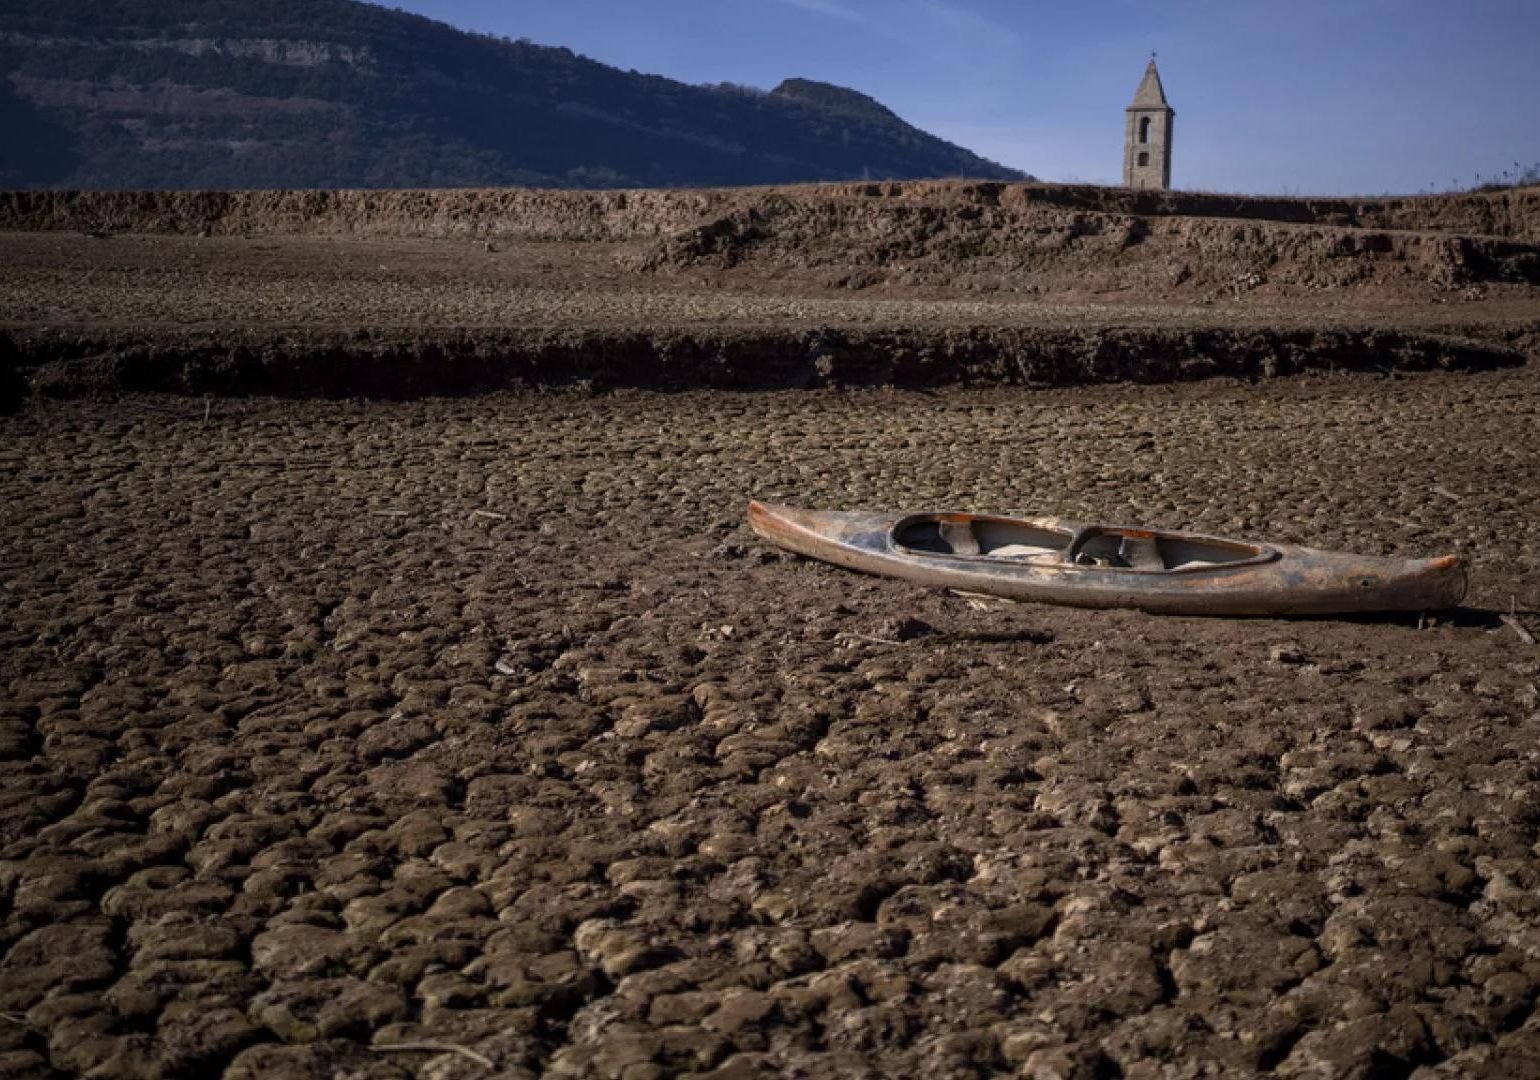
(335, 93)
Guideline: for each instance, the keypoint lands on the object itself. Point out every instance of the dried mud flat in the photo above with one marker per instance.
(478, 737)
(467, 737)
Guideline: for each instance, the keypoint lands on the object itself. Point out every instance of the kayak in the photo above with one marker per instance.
(1058, 561)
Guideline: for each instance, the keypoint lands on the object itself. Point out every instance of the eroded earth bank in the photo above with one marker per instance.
(406, 293)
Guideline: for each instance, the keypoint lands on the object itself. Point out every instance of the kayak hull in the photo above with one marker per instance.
(1150, 570)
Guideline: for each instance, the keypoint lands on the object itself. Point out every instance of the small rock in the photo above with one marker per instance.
(617, 951)
(905, 629)
(1288, 652)
(741, 1008)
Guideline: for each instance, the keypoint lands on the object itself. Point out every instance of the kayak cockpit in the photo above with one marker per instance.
(962, 534)
(1088, 545)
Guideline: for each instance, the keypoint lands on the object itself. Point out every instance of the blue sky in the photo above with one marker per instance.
(1306, 97)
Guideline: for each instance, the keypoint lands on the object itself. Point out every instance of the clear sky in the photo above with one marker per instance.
(1276, 96)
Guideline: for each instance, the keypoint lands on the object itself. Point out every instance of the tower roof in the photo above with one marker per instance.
(1151, 95)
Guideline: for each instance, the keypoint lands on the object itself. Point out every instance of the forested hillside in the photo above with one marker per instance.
(334, 93)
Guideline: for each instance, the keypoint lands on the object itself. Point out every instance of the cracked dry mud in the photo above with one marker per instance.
(368, 739)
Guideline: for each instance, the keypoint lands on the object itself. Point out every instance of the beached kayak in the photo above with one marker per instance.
(1055, 561)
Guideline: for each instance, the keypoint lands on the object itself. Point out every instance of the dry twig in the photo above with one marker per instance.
(980, 601)
(1512, 622)
(433, 1046)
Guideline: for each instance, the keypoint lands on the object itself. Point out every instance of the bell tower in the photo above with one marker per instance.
(1147, 137)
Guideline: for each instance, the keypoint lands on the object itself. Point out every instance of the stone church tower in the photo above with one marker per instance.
(1147, 142)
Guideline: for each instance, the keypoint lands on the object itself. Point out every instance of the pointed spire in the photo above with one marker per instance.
(1151, 94)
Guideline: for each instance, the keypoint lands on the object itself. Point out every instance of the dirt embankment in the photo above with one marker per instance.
(966, 236)
(1512, 213)
(401, 293)
(1024, 246)
(70, 366)
(500, 213)
(625, 215)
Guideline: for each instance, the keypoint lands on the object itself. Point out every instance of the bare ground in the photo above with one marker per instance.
(477, 736)
(334, 727)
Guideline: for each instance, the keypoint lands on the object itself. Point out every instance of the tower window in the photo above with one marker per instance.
(1144, 158)
(1144, 129)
